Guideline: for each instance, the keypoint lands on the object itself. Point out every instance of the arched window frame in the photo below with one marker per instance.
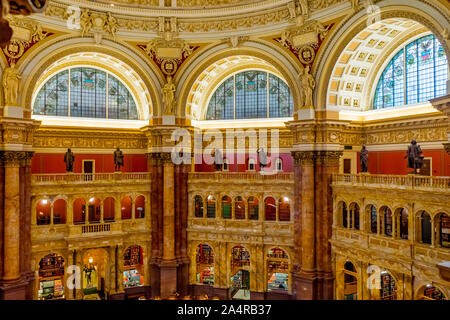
(97, 112)
(244, 106)
(408, 86)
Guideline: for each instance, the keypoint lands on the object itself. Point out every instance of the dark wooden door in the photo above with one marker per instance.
(347, 166)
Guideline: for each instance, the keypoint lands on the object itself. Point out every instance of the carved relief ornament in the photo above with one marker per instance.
(15, 158)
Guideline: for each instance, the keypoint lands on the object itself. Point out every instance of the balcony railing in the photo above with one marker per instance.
(220, 176)
(95, 228)
(407, 182)
(71, 178)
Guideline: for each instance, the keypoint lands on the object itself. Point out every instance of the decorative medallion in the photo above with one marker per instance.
(169, 67)
(306, 54)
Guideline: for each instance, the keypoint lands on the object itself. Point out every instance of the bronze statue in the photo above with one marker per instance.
(218, 159)
(364, 159)
(415, 158)
(118, 159)
(262, 156)
(69, 159)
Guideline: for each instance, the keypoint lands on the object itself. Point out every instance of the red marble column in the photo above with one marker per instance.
(16, 276)
(156, 206)
(313, 205)
(304, 280)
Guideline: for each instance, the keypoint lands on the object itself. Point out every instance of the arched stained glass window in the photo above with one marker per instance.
(417, 73)
(250, 95)
(90, 93)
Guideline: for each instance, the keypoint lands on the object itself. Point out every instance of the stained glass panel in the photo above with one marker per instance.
(250, 94)
(416, 74)
(89, 89)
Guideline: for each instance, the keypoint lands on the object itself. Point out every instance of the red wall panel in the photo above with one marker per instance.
(393, 162)
(54, 163)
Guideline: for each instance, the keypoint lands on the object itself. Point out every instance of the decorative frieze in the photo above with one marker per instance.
(47, 138)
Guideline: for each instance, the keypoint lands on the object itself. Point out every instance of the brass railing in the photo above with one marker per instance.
(409, 182)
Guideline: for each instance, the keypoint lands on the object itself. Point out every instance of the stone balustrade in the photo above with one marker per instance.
(247, 176)
(83, 178)
(409, 182)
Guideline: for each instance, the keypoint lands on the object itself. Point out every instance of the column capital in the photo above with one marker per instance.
(328, 157)
(304, 157)
(159, 157)
(447, 147)
(15, 158)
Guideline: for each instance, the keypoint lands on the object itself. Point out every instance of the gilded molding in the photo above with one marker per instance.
(46, 138)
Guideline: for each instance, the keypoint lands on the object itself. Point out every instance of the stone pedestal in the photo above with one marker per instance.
(168, 273)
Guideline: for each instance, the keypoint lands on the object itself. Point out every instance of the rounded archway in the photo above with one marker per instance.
(43, 212)
(211, 67)
(109, 209)
(126, 207)
(240, 273)
(430, 292)
(94, 210)
(362, 45)
(284, 209)
(133, 268)
(94, 273)
(253, 208)
(226, 207)
(210, 207)
(204, 264)
(384, 286)
(139, 207)
(270, 209)
(443, 229)
(239, 208)
(140, 78)
(350, 281)
(277, 270)
(59, 211)
(198, 206)
(51, 277)
(79, 211)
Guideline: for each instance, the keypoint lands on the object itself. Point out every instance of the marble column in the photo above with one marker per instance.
(11, 266)
(304, 239)
(313, 219)
(168, 265)
(327, 164)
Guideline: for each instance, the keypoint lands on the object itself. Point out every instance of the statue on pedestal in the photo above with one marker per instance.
(308, 84)
(262, 156)
(364, 159)
(218, 159)
(118, 159)
(69, 159)
(11, 83)
(168, 92)
(415, 158)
